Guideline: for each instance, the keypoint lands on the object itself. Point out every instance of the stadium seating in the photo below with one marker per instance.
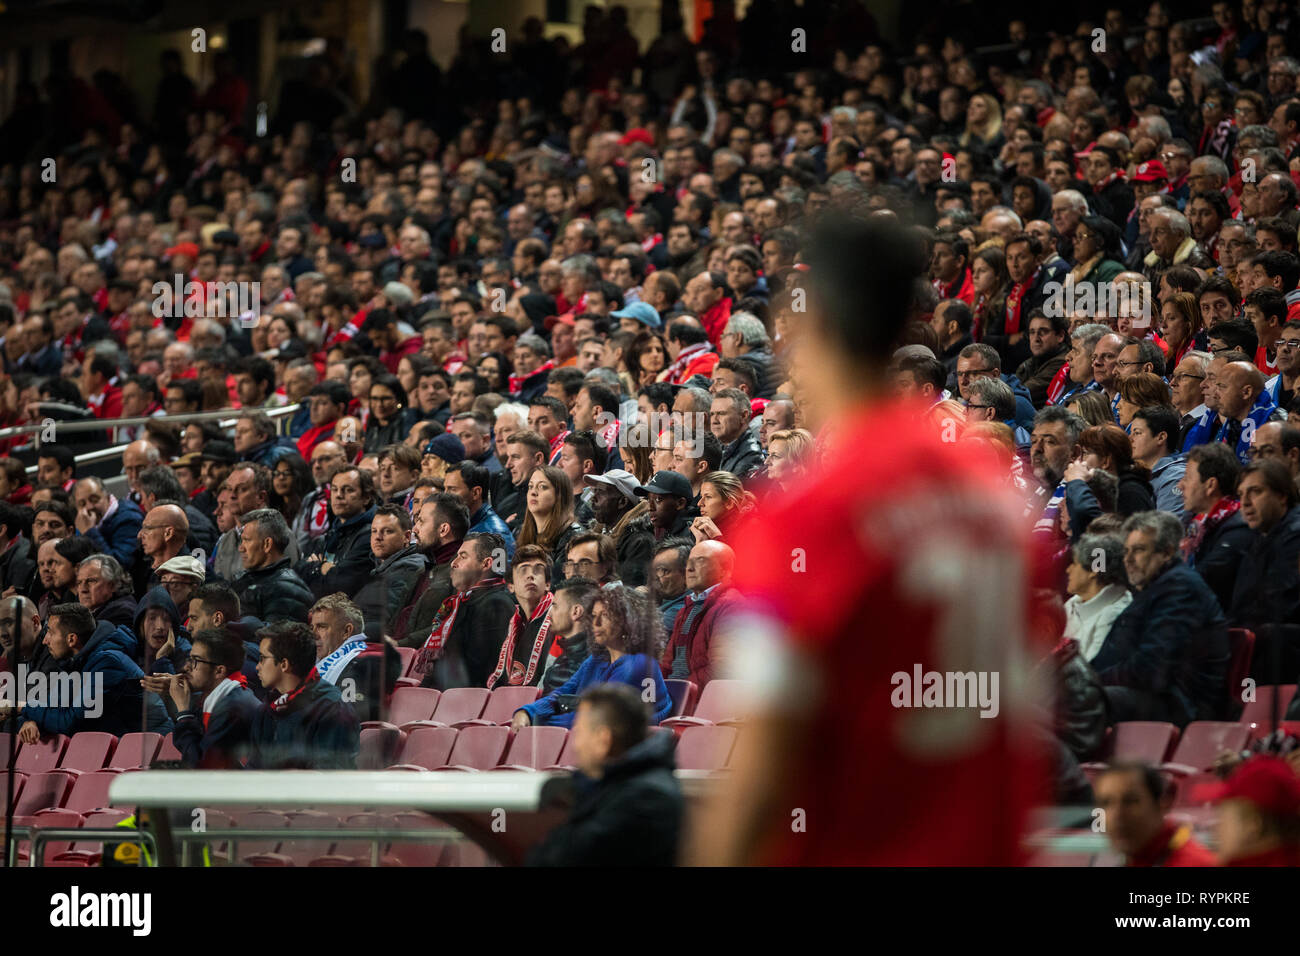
(503, 703)
(426, 748)
(41, 791)
(43, 755)
(719, 704)
(684, 694)
(135, 751)
(408, 704)
(167, 750)
(88, 751)
(1241, 650)
(408, 656)
(1258, 713)
(705, 748)
(478, 748)
(90, 791)
(1202, 741)
(534, 748)
(379, 747)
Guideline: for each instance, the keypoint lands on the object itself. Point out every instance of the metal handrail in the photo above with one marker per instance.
(105, 424)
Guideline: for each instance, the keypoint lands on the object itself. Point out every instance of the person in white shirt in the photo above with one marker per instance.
(1096, 580)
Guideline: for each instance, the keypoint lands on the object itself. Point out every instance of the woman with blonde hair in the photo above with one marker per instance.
(789, 455)
(723, 500)
(983, 123)
(1092, 407)
(548, 520)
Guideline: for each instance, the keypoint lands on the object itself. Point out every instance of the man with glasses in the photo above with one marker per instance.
(1278, 441)
(1281, 388)
(162, 537)
(983, 361)
(594, 558)
(215, 705)
(1185, 388)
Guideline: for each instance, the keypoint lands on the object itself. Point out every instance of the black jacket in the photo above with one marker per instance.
(1081, 711)
(223, 744)
(274, 593)
(347, 547)
(368, 682)
(118, 611)
(742, 457)
(1172, 641)
(1220, 555)
(1037, 371)
(415, 621)
(18, 565)
(1134, 495)
(314, 731)
(388, 589)
(631, 816)
(767, 369)
(203, 532)
(1267, 589)
(474, 643)
(573, 651)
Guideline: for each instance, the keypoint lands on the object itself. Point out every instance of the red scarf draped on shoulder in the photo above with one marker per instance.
(1016, 301)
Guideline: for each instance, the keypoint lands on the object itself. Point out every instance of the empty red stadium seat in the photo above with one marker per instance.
(19, 779)
(566, 760)
(503, 703)
(48, 820)
(1241, 651)
(41, 756)
(460, 703)
(478, 748)
(167, 750)
(418, 854)
(86, 852)
(408, 704)
(88, 751)
(719, 703)
(1145, 740)
(684, 694)
(43, 791)
(268, 820)
(302, 851)
(408, 656)
(90, 791)
(705, 748)
(356, 852)
(427, 748)
(1202, 741)
(379, 747)
(534, 748)
(1258, 713)
(135, 751)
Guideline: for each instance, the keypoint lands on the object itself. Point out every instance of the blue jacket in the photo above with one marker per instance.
(269, 452)
(300, 422)
(106, 658)
(223, 743)
(1024, 404)
(629, 669)
(159, 598)
(1172, 641)
(485, 520)
(1164, 482)
(1208, 428)
(118, 535)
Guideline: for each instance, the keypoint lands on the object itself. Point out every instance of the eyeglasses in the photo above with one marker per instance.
(586, 564)
(1123, 364)
(1288, 345)
(282, 474)
(1261, 451)
(192, 660)
(1182, 375)
(971, 373)
(973, 405)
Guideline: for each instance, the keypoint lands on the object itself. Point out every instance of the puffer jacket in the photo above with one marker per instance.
(388, 589)
(1081, 712)
(635, 543)
(347, 547)
(274, 593)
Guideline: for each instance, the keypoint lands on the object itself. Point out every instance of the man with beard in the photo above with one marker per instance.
(1056, 433)
(616, 504)
(441, 524)
(668, 577)
(20, 624)
(56, 570)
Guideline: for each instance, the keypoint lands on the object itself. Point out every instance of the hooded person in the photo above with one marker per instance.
(110, 698)
(538, 307)
(164, 642)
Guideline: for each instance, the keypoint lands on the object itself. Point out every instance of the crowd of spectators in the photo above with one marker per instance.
(539, 352)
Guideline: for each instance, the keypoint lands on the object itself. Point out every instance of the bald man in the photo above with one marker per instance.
(693, 652)
(1278, 441)
(136, 457)
(162, 537)
(20, 622)
(1243, 404)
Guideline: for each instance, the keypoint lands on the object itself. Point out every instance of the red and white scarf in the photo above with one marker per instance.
(557, 443)
(519, 675)
(1203, 523)
(1015, 301)
(283, 701)
(517, 381)
(227, 686)
(445, 619)
(1114, 177)
(684, 358)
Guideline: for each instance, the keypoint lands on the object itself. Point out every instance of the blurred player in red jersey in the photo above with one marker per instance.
(902, 556)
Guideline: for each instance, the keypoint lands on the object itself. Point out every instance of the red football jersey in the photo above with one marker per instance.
(902, 557)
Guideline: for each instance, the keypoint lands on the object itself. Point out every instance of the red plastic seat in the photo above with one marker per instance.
(19, 779)
(357, 852)
(1146, 740)
(406, 682)
(5, 739)
(302, 851)
(48, 820)
(409, 704)
(135, 751)
(167, 750)
(478, 748)
(566, 760)
(460, 703)
(408, 656)
(684, 694)
(705, 748)
(503, 703)
(427, 748)
(1202, 741)
(1258, 713)
(250, 849)
(1241, 651)
(534, 748)
(41, 756)
(90, 792)
(379, 747)
(719, 703)
(88, 751)
(419, 854)
(43, 791)
(86, 852)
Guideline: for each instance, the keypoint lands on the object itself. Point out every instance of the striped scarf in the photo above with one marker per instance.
(445, 619)
(518, 674)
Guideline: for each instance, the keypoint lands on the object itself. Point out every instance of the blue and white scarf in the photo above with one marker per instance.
(330, 667)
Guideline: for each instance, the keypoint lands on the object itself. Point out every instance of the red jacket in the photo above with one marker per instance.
(314, 436)
(392, 359)
(701, 653)
(715, 319)
(1173, 846)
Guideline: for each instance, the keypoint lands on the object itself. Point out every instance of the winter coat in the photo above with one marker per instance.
(474, 644)
(635, 542)
(487, 521)
(223, 744)
(1081, 712)
(691, 653)
(274, 593)
(157, 597)
(416, 619)
(314, 731)
(18, 565)
(1172, 641)
(269, 452)
(118, 611)
(743, 456)
(573, 650)
(631, 816)
(1037, 371)
(767, 369)
(1267, 589)
(118, 535)
(379, 437)
(1220, 555)
(388, 589)
(558, 708)
(107, 664)
(347, 547)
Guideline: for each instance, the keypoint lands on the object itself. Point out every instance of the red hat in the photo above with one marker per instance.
(568, 318)
(637, 134)
(189, 249)
(1152, 171)
(1267, 782)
